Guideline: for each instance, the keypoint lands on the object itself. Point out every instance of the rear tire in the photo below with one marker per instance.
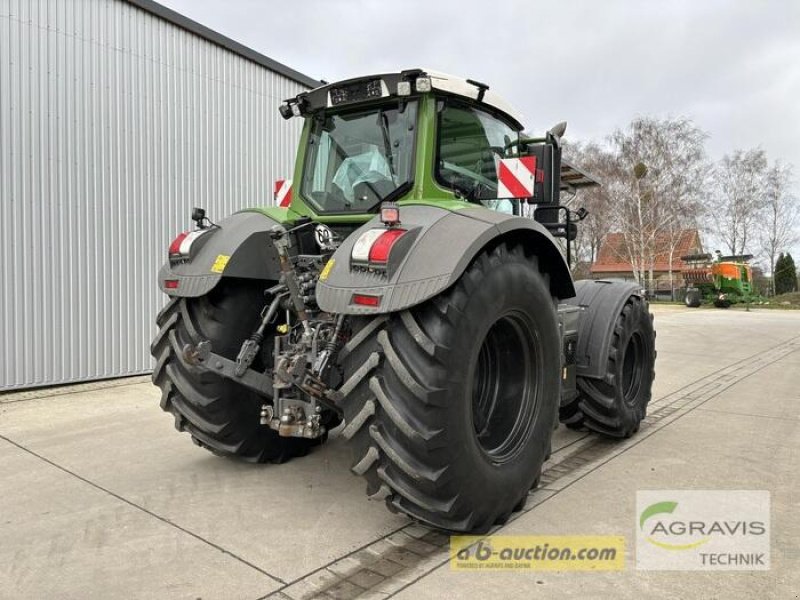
(452, 411)
(616, 404)
(220, 414)
(693, 299)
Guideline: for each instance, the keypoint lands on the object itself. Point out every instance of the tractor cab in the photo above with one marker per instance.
(419, 136)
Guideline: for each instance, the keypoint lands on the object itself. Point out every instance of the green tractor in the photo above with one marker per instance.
(414, 296)
(722, 282)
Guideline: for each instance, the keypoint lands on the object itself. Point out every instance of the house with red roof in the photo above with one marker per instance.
(613, 260)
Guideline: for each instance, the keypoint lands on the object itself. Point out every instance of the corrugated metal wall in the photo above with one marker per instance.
(113, 124)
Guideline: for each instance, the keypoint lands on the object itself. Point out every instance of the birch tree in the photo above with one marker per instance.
(779, 224)
(600, 163)
(657, 187)
(738, 197)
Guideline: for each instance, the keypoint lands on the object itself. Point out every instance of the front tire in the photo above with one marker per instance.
(616, 404)
(452, 402)
(221, 415)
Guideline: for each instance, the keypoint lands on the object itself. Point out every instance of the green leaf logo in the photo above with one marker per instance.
(656, 509)
(665, 508)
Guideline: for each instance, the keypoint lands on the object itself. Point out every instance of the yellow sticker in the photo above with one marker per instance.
(327, 270)
(220, 263)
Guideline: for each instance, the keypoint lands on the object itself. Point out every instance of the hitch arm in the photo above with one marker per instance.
(201, 357)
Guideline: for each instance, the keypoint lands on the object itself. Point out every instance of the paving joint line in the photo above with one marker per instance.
(26, 395)
(792, 341)
(142, 509)
(748, 415)
(334, 561)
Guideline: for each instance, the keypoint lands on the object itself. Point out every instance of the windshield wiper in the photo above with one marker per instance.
(387, 145)
(391, 196)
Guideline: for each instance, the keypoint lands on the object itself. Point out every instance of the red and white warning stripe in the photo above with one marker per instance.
(516, 177)
(283, 192)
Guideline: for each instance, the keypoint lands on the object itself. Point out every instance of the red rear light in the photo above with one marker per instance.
(175, 246)
(379, 252)
(365, 300)
(171, 284)
(181, 246)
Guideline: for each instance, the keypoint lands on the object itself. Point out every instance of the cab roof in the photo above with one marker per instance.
(382, 85)
(467, 88)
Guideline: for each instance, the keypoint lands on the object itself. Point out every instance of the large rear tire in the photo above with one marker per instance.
(616, 404)
(220, 414)
(452, 404)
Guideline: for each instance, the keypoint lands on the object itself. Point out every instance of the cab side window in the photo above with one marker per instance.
(470, 142)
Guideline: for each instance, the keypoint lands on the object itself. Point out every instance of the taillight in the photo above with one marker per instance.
(175, 246)
(379, 253)
(171, 284)
(366, 300)
(181, 246)
(375, 245)
(364, 243)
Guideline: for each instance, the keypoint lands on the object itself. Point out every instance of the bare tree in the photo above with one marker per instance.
(779, 221)
(657, 187)
(600, 163)
(737, 198)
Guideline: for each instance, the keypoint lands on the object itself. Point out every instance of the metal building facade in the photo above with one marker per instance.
(116, 118)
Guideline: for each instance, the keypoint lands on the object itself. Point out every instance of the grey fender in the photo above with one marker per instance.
(601, 301)
(439, 246)
(239, 247)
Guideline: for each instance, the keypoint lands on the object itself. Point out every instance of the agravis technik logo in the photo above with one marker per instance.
(703, 530)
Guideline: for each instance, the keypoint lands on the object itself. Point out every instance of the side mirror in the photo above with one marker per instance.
(558, 130)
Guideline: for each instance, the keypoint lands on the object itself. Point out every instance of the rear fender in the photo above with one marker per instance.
(239, 247)
(601, 302)
(440, 246)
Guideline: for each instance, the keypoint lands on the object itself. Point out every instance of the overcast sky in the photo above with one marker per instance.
(732, 67)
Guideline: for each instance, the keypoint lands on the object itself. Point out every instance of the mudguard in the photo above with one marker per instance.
(239, 247)
(601, 302)
(439, 246)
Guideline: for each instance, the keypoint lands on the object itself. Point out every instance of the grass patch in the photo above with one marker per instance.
(792, 298)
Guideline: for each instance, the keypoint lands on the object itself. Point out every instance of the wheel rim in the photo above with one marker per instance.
(505, 388)
(632, 363)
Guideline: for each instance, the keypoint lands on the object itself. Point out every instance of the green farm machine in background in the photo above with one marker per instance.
(723, 281)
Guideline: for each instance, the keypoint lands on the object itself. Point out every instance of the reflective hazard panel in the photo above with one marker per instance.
(283, 192)
(516, 177)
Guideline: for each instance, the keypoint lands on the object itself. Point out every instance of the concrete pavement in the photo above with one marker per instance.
(101, 497)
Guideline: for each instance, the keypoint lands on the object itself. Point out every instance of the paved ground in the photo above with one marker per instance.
(100, 497)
